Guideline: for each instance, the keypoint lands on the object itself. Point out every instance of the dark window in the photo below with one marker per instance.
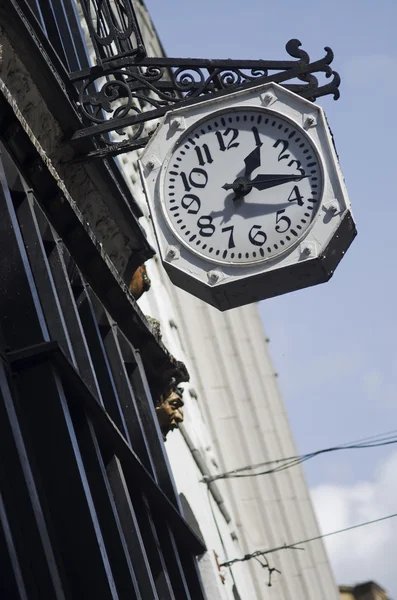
(88, 506)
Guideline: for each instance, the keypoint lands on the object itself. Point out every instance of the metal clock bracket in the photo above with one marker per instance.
(127, 89)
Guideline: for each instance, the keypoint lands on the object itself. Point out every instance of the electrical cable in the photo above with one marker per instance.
(296, 545)
(219, 533)
(376, 441)
(377, 436)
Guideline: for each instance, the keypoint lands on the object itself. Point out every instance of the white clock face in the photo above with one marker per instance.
(242, 186)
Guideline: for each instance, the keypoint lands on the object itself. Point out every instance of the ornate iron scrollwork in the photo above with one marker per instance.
(123, 94)
(113, 28)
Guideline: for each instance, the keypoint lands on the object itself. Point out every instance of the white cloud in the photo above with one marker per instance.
(367, 553)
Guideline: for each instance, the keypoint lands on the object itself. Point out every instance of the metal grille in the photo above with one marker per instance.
(88, 507)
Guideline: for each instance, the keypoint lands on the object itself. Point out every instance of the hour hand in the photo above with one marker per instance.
(252, 161)
(264, 182)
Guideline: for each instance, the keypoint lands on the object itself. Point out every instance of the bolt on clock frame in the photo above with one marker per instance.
(126, 89)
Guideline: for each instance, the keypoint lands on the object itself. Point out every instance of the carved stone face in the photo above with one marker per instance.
(170, 413)
(140, 282)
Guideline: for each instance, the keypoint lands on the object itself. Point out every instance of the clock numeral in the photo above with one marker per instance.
(286, 221)
(256, 136)
(295, 196)
(283, 154)
(199, 151)
(231, 239)
(231, 143)
(256, 236)
(207, 229)
(298, 166)
(185, 182)
(197, 178)
(194, 202)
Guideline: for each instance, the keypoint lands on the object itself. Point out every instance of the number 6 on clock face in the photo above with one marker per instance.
(242, 186)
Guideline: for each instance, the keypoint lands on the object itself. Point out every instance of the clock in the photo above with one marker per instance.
(246, 196)
(242, 186)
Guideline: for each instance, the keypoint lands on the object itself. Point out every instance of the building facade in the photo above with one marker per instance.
(93, 503)
(363, 591)
(88, 504)
(236, 417)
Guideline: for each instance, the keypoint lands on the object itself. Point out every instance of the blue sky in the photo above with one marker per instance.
(334, 346)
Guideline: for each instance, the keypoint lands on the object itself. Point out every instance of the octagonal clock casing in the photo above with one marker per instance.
(246, 196)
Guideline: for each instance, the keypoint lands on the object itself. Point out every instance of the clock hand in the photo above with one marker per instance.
(264, 182)
(252, 161)
(261, 182)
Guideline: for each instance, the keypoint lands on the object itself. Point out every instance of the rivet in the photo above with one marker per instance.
(268, 98)
(172, 253)
(310, 121)
(333, 207)
(213, 277)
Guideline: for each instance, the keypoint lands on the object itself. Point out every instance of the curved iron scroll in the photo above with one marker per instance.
(124, 93)
(114, 29)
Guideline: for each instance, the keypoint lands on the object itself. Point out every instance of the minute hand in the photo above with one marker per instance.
(264, 182)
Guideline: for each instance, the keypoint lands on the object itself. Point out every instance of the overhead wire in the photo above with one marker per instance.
(219, 533)
(295, 546)
(378, 440)
(372, 437)
(375, 441)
